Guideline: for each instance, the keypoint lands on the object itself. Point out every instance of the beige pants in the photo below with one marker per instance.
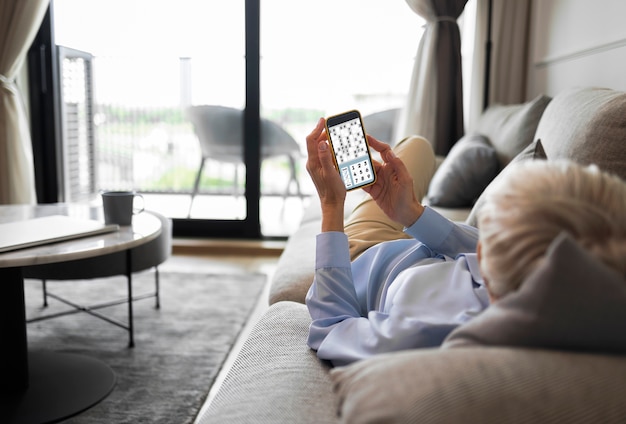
(368, 225)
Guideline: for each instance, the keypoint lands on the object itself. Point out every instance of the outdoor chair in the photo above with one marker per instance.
(220, 133)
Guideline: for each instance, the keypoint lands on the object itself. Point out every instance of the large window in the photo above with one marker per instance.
(151, 61)
(325, 57)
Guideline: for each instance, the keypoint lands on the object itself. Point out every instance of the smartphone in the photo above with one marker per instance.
(346, 135)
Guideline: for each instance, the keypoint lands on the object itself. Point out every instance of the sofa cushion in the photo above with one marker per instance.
(534, 151)
(276, 377)
(587, 125)
(572, 301)
(482, 385)
(510, 128)
(468, 168)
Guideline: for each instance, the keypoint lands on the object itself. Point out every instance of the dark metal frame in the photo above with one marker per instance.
(45, 112)
(488, 46)
(90, 309)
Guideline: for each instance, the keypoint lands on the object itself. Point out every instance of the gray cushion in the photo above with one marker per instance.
(587, 125)
(380, 124)
(571, 301)
(534, 151)
(468, 168)
(510, 128)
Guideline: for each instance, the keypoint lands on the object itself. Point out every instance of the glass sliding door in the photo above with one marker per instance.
(171, 99)
(203, 105)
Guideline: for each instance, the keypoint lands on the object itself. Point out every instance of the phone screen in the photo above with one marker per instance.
(352, 156)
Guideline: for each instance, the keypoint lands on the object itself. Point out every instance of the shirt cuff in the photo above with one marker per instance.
(431, 228)
(332, 250)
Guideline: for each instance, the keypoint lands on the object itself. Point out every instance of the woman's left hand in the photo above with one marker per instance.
(330, 188)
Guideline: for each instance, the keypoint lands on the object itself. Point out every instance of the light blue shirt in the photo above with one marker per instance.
(400, 294)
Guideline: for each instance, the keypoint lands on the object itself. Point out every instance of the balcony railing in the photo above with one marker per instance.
(151, 149)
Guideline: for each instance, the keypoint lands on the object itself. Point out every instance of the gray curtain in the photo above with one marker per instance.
(19, 23)
(510, 38)
(434, 106)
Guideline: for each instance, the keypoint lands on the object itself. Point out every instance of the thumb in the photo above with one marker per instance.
(397, 165)
(325, 156)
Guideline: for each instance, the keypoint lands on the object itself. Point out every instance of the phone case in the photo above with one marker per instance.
(346, 135)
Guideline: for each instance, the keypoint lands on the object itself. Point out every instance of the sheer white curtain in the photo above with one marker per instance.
(434, 107)
(416, 118)
(19, 23)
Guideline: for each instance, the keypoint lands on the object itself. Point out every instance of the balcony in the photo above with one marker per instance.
(157, 153)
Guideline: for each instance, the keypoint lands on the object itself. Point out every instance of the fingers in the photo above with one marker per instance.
(314, 138)
(325, 157)
(320, 163)
(389, 157)
(385, 150)
(377, 165)
(379, 146)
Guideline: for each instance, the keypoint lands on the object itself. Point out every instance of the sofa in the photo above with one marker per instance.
(552, 352)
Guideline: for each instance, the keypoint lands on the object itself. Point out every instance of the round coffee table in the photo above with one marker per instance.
(44, 386)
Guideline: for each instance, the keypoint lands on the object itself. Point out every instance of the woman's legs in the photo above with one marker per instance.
(368, 224)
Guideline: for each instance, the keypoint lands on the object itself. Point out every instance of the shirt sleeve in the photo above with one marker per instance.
(332, 296)
(429, 302)
(341, 330)
(442, 235)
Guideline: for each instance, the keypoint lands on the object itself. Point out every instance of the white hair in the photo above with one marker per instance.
(533, 202)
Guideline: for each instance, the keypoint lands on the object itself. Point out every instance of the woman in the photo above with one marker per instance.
(413, 291)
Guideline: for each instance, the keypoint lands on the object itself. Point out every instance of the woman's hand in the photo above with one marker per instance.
(393, 189)
(330, 188)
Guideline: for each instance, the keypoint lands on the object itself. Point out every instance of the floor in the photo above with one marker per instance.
(260, 257)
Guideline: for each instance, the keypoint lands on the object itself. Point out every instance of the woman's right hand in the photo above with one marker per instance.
(393, 189)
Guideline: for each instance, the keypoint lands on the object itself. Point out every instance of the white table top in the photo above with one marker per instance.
(145, 227)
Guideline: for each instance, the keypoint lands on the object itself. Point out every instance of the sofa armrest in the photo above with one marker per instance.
(276, 378)
(296, 266)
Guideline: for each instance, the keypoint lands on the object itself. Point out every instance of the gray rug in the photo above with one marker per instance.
(179, 348)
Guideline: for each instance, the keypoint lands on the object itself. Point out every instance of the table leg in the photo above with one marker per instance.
(41, 387)
(129, 279)
(14, 364)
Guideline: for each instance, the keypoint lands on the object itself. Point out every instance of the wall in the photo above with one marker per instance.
(577, 43)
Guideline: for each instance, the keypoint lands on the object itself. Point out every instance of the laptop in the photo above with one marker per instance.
(49, 229)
